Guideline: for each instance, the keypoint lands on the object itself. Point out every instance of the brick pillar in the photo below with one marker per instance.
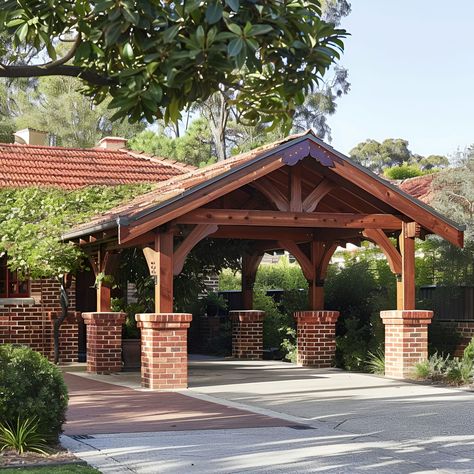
(104, 342)
(68, 336)
(406, 340)
(247, 334)
(316, 337)
(164, 350)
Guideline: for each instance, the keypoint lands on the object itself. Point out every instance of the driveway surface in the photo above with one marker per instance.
(327, 421)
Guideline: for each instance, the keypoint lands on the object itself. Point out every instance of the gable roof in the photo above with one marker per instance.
(71, 168)
(189, 191)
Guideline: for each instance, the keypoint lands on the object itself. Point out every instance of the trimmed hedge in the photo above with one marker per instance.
(32, 387)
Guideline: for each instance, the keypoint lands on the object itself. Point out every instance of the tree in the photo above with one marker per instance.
(32, 222)
(394, 152)
(194, 147)
(56, 105)
(158, 58)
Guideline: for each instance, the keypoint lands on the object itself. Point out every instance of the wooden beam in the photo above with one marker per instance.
(378, 237)
(321, 253)
(407, 287)
(263, 233)
(272, 193)
(199, 232)
(296, 203)
(201, 196)
(314, 197)
(397, 200)
(290, 219)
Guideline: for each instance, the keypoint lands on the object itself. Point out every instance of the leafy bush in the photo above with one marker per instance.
(376, 362)
(460, 371)
(31, 388)
(469, 350)
(288, 345)
(445, 369)
(22, 436)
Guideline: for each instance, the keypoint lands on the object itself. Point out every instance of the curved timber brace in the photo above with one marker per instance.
(314, 267)
(402, 263)
(250, 265)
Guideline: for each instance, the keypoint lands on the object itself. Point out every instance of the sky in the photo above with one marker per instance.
(411, 69)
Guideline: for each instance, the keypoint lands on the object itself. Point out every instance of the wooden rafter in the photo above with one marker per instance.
(296, 203)
(201, 197)
(272, 193)
(248, 217)
(313, 199)
(195, 236)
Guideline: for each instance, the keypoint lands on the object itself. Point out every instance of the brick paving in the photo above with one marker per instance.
(103, 408)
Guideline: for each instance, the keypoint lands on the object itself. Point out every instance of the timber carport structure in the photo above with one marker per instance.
(298, 194)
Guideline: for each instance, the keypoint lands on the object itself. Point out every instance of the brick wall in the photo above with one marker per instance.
(464, 331)
(28, 320)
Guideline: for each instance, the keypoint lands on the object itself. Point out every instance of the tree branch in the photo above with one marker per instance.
(66, 57)
(61, 70)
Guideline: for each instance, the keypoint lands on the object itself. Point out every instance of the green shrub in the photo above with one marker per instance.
(435, 368)
(460, 371)
(32, 388)
(469, 351)
(22, 436)
(376, 362)
(288, 345)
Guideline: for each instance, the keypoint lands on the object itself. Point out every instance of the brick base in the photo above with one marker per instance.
(164, 350)
(316, 337)
(247, 334)
(406, 340)
(104, 342)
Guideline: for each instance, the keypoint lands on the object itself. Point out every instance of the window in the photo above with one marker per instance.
(10, 285)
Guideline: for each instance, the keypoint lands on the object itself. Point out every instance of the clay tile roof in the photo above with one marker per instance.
(420, 187)
(70, 168)
(179, 184)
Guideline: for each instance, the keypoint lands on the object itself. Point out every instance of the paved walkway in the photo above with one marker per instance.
(347, 423)
(96, 408)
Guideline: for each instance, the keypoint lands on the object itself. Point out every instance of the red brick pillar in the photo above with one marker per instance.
(316, 337)
(68, 336)
(104, 342)
(406, 340)
(164, 349)
(247, 334)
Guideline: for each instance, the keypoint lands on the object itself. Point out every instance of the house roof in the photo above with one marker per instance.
(420, 187)
(180, 194)
(70, 168)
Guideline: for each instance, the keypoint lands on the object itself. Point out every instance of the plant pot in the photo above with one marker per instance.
(131, 354)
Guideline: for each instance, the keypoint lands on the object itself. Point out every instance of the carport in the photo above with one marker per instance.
(298, 194)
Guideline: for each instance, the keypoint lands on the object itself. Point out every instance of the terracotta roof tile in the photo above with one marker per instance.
(70, 168)
(178, 184)
(420, 187)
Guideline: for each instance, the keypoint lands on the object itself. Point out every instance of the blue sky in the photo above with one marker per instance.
(411, 69)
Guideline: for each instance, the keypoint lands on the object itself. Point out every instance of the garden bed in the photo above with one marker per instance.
(10, 459)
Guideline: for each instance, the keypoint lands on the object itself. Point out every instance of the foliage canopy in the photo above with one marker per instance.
(158, 58)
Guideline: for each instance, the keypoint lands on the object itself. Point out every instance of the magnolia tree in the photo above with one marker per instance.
(32, 222)
(157, 59)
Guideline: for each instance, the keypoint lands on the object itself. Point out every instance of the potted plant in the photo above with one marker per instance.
(131, 342)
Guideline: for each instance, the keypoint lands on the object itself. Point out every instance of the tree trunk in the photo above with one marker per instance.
(64, 300)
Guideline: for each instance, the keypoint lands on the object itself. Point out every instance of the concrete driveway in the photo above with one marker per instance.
(336, 422)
